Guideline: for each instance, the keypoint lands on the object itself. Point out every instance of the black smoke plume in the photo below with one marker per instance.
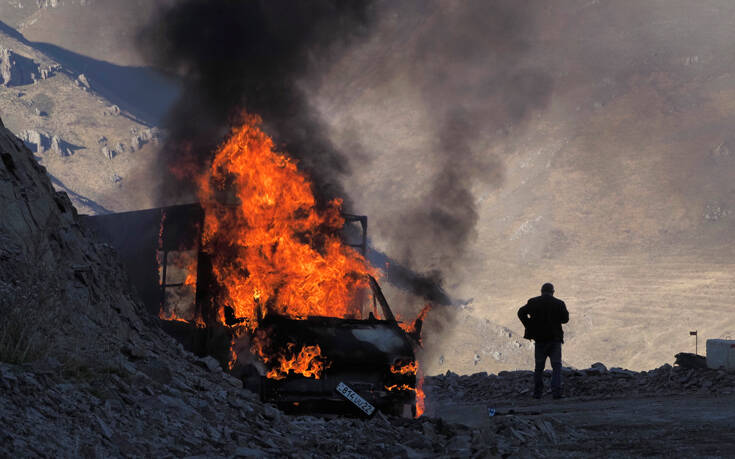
(251, 55)
(470, 61)
(467, 58)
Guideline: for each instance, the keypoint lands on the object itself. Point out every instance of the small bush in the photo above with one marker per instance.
(21, 320)
(30, 296)
(20, 341)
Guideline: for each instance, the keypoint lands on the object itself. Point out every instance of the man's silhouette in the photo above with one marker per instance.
(542, 317)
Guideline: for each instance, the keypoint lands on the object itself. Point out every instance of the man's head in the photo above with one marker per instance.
(547, 289)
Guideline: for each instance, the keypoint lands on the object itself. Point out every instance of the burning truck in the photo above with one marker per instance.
(272, 285)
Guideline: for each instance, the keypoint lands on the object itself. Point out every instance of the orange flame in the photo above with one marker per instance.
(407, 369)
(411, 328)
(170, 315)
(399, 387)
(197, 321)
(191, 274)
(272, 250)
(422, 314)
(308, 362)
(420, 395)
(181, 260)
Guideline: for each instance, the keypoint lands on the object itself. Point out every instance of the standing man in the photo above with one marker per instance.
(542, 317)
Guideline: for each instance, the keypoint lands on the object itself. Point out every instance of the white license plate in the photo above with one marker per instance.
(355, 398)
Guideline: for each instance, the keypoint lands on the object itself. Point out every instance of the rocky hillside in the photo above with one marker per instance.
(595, 382)
(667, 411)
(56, 284)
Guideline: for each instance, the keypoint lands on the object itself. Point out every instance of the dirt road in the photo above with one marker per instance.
(662, 426)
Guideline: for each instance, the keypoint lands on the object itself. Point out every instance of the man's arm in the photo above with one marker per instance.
(523, 315)
(564, 314)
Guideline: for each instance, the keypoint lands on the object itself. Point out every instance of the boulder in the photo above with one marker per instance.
(136, 143)
(16, 70)
(597, 368)
(59, 147)
(35, 140)
(689, 360)
(210, 363)
(83, 81)
(108, 152)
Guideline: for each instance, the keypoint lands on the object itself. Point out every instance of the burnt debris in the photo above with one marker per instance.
(364, 354)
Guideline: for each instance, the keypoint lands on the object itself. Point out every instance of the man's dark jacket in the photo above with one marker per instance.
(542, 316)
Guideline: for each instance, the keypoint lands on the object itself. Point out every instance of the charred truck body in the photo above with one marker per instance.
(372, 354)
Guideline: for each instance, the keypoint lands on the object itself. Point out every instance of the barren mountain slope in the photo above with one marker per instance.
(100, 29)
(102, 154)
(618, 190)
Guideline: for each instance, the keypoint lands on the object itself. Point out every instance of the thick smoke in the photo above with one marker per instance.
(466, 58)
(469, 60)
(251, 55)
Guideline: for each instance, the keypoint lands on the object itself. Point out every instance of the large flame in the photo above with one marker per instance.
(272, 250)
(307, 361)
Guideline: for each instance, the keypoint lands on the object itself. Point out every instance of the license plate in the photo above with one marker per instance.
(355, 398)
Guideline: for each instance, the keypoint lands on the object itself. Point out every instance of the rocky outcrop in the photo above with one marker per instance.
(47, 3)
(41, 143)
(17, 70)
(596, 381)
(140, 138)
(108, 152)
(83, 82)
(43, 248)
(35, 140)
(49, 71)
(58, 146)
(151, 135)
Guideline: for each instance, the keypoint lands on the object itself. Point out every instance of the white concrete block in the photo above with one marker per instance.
(721, 353)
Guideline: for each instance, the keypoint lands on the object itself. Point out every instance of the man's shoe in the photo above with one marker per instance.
(537, 396)
(558, 396)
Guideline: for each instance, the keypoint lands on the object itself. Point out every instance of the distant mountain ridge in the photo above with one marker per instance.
(91, 123)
